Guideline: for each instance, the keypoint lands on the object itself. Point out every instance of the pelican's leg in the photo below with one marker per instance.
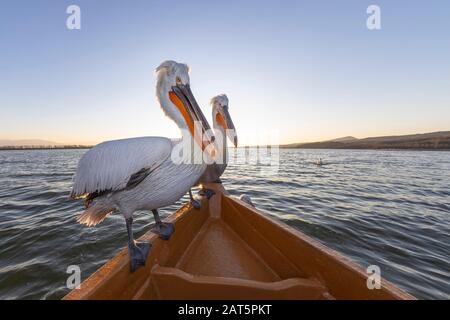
(164, 230)
(195, 203)
(138, 251)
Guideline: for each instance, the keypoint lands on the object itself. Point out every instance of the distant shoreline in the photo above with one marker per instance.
(19, 148)
(426, 141)
(374, 149)
(250, 147)
(381, 148)
(433, 141)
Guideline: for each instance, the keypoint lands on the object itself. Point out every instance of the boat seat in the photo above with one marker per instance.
(173, 283)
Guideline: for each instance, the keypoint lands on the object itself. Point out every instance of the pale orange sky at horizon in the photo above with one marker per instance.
(67, 140)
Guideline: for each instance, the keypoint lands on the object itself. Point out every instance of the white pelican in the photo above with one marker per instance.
(223, 128)
(319, 162)
(138, 173)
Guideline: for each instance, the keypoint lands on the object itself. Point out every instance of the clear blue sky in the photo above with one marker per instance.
(309, 69)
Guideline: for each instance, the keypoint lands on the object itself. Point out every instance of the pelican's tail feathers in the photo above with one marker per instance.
(95, 214)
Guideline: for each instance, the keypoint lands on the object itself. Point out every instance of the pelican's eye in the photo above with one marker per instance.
(178, 80)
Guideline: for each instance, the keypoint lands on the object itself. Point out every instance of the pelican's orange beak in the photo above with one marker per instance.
(182, 97)
(226, 122)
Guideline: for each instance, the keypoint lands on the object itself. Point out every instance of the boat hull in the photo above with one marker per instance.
(229, 250)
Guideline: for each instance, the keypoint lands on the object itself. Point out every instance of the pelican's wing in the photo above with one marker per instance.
(115, 165)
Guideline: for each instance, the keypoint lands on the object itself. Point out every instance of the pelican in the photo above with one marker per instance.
(223, 128)
(139, 173)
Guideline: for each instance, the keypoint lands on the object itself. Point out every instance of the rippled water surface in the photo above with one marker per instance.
(388, 208)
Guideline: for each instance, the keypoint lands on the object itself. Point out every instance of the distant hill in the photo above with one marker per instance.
(344, 139)
(31, 142)
(426, 141)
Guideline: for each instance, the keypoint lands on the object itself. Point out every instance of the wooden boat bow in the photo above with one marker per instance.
(229, 250)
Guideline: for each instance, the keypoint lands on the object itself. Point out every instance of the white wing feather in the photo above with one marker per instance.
(109, 165)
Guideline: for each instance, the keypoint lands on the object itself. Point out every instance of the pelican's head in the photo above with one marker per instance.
(222, 119)
(176, 99)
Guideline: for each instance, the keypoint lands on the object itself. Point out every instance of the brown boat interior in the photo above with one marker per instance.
(228, 250)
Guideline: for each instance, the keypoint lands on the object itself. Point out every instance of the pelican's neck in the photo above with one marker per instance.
(169, 109)
(163, 89)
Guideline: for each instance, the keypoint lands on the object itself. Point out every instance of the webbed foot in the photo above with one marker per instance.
(208, 193)
(138, 252)
(164, 230)
(196, 204)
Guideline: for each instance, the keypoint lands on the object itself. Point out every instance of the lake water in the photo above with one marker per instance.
(385, 208)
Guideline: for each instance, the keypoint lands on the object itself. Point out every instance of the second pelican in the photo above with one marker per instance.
(223, 129)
